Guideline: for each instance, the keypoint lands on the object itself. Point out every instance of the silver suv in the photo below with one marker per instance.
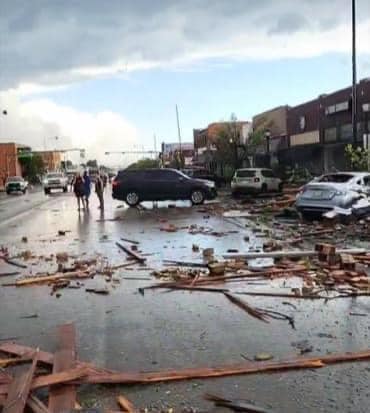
(255, 180)
(55, 180)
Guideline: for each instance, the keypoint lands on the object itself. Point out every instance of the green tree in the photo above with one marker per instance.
(230, 150)
(146, 163)
(92, 163)
(32, 167)
(359, 158)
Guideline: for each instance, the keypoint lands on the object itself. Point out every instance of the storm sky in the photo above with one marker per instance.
(108, 74)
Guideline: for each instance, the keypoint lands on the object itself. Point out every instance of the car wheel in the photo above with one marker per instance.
(65, 189)
(235, 194)
(197, 197)
(47, 191)
(264, 187)
(132, 198)
(8, 192)
(24, 190)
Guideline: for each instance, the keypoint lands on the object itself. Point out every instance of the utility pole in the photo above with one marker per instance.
(354, 77)
(178, 128)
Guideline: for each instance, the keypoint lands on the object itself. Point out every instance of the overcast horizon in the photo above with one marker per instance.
(107, 77)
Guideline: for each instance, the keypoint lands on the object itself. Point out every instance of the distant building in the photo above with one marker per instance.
(52, 159)
(169, 151)
(205, 139)
(313, 135)
(9, 162)
(276, 122)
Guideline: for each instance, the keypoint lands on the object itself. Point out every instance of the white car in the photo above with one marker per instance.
(16, 184)
(55, 180)
(255, 180)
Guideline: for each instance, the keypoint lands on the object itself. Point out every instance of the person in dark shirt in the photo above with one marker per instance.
(79, 190)
(99, 189)
(87, 187)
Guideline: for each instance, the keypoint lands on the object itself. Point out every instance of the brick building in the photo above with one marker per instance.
(317, 131)
(52, 159)
(9, 162)
(169, 151)
(204, 142)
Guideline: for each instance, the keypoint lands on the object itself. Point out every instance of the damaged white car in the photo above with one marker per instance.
(340, 190)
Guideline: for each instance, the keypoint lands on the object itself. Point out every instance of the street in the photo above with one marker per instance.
(128, 331)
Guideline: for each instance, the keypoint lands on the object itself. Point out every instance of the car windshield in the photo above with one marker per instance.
(51, 176)
(336, 178)
(182, 174)
(15, 179)
(245, 173)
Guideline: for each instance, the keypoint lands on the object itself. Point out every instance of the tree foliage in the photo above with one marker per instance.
(92, 163)
(229, 147)
(146, 163)
(32, 167)
(358, 157)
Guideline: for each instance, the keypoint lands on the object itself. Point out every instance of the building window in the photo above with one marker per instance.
(345, 131)
(329, 110)
(302, 122)
(330, 135)
(338, 107)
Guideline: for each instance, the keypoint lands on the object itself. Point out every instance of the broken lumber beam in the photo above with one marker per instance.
(285, 254)
(125, 404)
(12, 262)
(62, 377)
(237, 405)
(51, 278)
(131, 241)
(19, 389)
(247, 308)
(36, 405)
(43, 357)
(131, 253)
(228, 370)
(63, 398)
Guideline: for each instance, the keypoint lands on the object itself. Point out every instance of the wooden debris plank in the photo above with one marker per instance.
(4, 377)
(19, 389)
(133, 254)
(36, 405)
(283, 254)
(130, 241)
(50, 278)
(222, 371)
(44, 357)
(63, 377)
(125, 404)
(63, 398)
(247, 308)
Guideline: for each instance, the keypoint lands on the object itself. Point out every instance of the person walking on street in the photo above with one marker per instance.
(79, 190)
(99, 189)
(87, 187)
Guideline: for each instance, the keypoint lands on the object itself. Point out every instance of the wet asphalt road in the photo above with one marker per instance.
(129, 332)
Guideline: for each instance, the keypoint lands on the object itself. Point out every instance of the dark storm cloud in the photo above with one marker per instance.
(47, 42)
(289, 23)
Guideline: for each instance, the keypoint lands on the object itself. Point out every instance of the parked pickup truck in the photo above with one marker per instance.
(16, 184)
(55, 180)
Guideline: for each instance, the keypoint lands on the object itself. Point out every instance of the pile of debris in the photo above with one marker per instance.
(71, 269)
(62, 373)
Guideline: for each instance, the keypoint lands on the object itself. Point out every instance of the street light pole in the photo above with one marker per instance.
(178, 128)
(354, 77)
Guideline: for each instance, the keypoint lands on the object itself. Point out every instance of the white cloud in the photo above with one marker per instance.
(37, 122)
(56, 43)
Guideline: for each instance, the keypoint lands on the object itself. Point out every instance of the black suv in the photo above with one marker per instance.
(134, 186)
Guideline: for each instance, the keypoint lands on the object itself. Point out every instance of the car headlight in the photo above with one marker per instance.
(45, 182)
(210, 184)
